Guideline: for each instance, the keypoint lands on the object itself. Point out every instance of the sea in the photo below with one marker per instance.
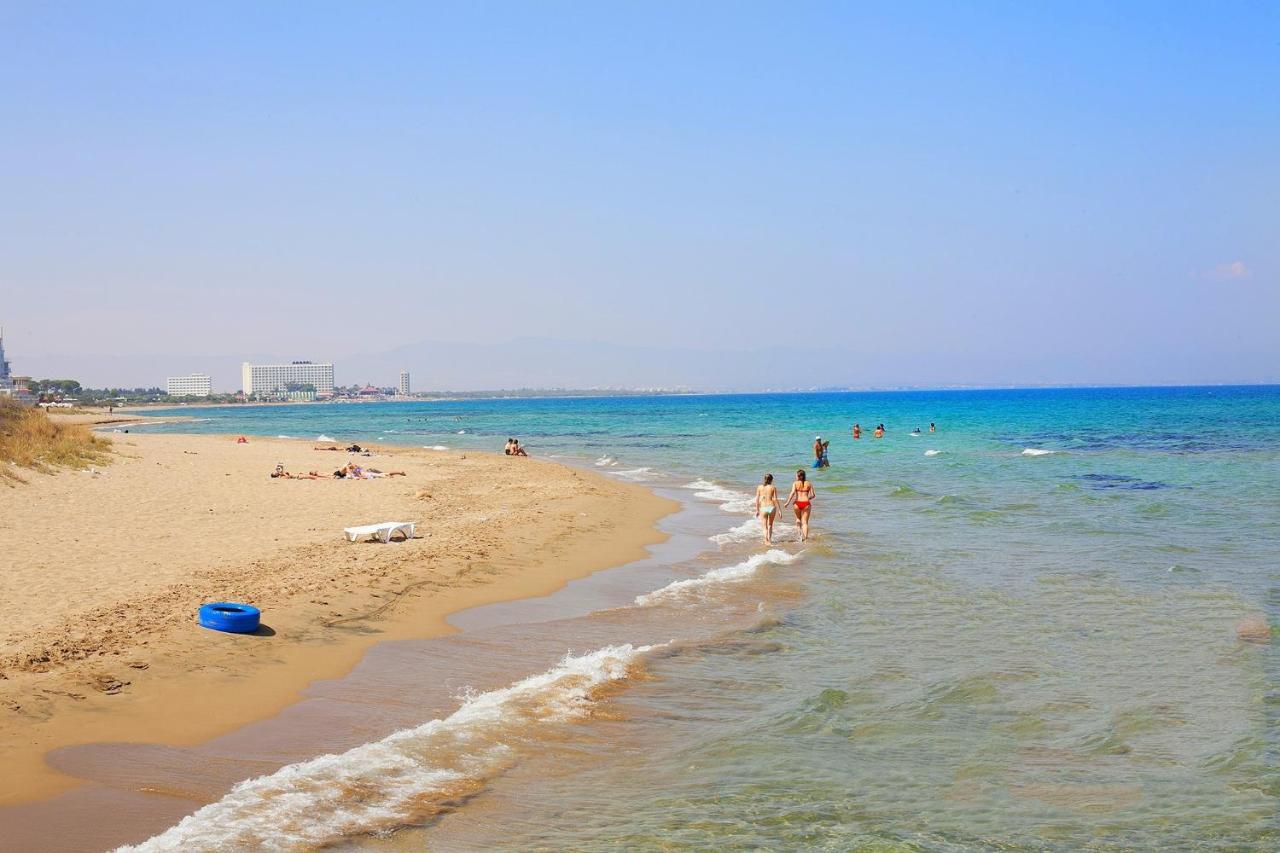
(1021, 631)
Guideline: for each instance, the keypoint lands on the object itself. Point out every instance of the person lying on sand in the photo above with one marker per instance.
(280, 473)
(377, 473)
(330, 447)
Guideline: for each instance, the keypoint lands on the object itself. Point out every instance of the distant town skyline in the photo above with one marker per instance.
(719, 196)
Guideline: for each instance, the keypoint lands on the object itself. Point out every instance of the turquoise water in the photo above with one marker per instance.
(981, 646)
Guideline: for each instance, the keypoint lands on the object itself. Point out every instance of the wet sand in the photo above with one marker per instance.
(104, 572)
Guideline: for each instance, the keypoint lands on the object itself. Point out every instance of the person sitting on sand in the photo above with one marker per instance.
(510, 448)
(516, 449)
(767, 506)
(802, 495)
(355, 448)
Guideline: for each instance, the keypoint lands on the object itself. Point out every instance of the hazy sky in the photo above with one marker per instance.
(947, 192)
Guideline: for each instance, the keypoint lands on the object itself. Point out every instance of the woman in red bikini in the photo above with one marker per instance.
(802, 494)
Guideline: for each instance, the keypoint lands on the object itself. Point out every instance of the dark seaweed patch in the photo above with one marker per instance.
(1119, 481)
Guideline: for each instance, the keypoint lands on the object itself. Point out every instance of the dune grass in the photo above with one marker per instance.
(29, 439)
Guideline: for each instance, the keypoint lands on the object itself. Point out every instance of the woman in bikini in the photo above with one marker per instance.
(802, 494)
(767, 506)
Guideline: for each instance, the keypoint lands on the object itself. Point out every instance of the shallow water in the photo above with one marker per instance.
(982, 646)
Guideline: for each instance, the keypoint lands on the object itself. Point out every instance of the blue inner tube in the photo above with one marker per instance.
(230, 617)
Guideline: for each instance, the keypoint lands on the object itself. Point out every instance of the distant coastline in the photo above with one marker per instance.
(564, 394)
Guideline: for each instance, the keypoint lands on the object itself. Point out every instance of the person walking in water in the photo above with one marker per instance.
(857, 431)
(767, 506)
(802, 496)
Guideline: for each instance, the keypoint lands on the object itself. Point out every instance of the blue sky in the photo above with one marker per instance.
(926, 193)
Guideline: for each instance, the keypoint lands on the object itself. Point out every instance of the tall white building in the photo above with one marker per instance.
(404, 383)
(276, 379)
(195, 385)
(8, 386)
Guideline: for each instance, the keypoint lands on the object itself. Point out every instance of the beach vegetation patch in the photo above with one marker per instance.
(30, 439)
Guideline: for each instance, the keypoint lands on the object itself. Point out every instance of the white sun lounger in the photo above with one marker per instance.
(383, 532)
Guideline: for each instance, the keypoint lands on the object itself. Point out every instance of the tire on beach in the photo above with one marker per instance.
(230, 617)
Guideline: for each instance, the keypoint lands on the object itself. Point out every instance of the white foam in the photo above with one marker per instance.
(1035, 451)
(284, 436)
(462, 432)
(380, 786)
(434, 447)
(606, 461)
(932, 452)
(323, 437)
(727, 574)
(752, 530)
(729, 500)
(643, 473)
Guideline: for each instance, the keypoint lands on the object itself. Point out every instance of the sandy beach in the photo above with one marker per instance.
(104, 571)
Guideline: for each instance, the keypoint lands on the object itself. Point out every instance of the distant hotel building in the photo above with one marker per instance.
(404, 383)
(11, 386)
(195, 385)
(276, 380)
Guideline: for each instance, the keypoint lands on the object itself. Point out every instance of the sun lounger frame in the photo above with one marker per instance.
(382, 532)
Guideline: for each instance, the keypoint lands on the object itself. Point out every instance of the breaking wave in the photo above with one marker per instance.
(729, 499)
(727, 574)
(403, 778)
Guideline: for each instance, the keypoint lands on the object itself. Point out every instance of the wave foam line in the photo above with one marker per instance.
(643, 473)
(727, 574)
(752, 530)
(1035, 451)
(392, 782)
(729, 500)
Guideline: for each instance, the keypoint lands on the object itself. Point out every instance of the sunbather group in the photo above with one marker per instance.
(513, 448)
(350, 471)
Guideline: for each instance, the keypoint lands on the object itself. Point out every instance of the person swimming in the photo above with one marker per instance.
(767, 506)
(802, 495)
(916, 431)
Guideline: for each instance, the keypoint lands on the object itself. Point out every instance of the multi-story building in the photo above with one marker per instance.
(404, 383)
(13, 387)
(195, 385)
(277, 380)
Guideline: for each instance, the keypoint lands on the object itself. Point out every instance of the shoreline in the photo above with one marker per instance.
(158, 677)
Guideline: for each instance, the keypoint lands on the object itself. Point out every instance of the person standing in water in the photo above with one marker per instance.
(820, 453)
(932, 428)
(857, 431)
(879, 433)
(802, 495)
(767, 506)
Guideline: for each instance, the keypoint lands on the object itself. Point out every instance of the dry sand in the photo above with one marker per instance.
(101, 574)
